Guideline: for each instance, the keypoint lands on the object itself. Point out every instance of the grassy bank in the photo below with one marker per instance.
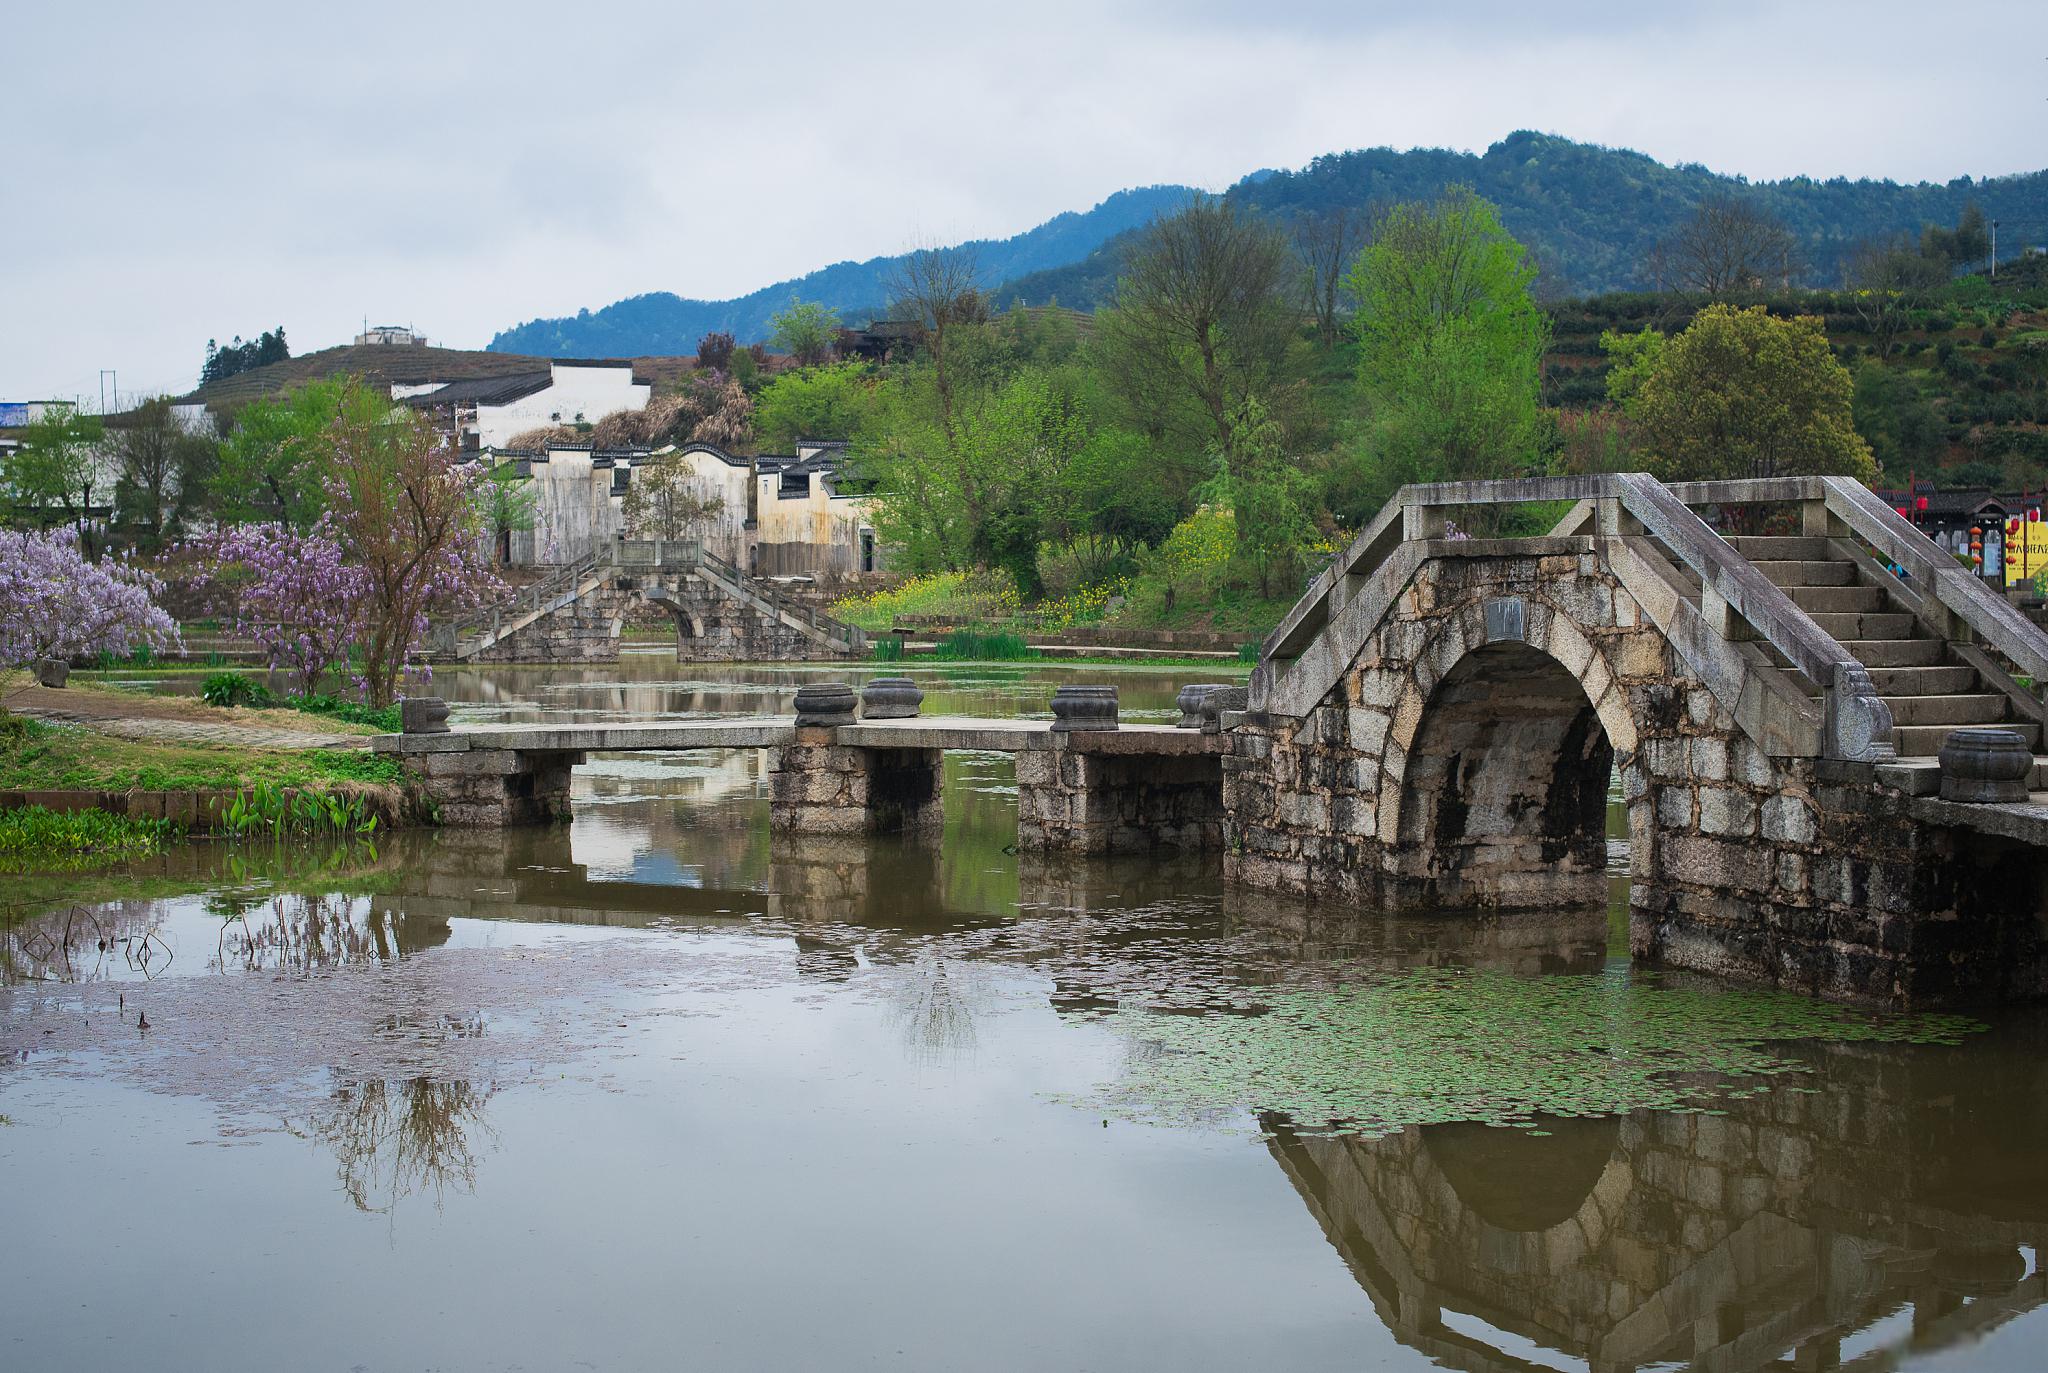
(36, 756)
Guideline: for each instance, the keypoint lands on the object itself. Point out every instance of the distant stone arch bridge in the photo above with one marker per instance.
(579, 611)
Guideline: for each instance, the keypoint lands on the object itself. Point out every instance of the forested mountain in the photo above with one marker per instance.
(1591, 215)
(664, 323)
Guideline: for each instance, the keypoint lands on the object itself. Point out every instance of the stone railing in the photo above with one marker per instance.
(1834, 507)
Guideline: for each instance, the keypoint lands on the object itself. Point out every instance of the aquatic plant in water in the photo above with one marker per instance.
(1429, 1046)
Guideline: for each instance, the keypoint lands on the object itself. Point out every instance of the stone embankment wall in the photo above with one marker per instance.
(1451, 765)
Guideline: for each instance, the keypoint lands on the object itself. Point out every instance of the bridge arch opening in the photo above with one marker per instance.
(1503, 798)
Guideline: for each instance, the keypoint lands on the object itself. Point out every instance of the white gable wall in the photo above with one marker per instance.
(575, 394)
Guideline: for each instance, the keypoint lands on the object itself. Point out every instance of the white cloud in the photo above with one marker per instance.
(177, 172)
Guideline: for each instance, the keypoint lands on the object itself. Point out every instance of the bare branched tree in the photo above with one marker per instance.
(1326, 243)
(1727, 248)
(938, 290)
(1889, 278)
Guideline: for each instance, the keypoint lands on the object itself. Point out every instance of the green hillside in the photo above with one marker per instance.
(1591, 215)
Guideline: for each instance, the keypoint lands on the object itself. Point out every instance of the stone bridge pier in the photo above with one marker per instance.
(1112, 791)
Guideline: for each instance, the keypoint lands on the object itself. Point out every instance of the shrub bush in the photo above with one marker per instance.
(228, 689)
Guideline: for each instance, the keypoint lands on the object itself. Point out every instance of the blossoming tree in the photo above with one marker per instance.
(408, 516)
(294, 594)
(57, 603)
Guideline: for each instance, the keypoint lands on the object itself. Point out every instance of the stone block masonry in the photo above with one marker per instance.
(817, 786)
(489, 788)
(1123, 792)
(1075, 800)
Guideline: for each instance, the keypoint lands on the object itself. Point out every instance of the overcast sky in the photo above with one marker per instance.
(180, 172)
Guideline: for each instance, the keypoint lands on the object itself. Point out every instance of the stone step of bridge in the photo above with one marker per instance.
(1821, 600)
(1761, 548)
(1793, 573)
(1944, 680)
(1977, 708)
(1874, 653)
(1924, 741)
(1922, 777)
(1847, 625)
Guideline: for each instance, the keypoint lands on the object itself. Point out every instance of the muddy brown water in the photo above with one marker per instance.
(658, 1089)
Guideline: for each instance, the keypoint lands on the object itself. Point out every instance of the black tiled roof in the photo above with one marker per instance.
(484, 390)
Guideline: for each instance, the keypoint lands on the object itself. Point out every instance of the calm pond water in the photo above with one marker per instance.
(661, 1090)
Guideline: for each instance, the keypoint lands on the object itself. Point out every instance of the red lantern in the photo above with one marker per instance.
(1920, 504)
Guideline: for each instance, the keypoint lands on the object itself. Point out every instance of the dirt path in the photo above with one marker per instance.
(176, 719)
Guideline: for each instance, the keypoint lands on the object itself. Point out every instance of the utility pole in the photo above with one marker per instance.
(1994, 250)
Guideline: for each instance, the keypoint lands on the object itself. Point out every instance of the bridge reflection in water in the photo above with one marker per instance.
(1892, 1206)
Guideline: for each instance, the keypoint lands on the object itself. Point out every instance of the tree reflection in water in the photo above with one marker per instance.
(292, 932)
(394, 1139)
(933, 1001)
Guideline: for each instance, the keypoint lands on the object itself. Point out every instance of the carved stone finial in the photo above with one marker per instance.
(825, 704)
(1076, 709)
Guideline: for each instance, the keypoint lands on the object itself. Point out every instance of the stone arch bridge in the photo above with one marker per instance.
(1437, 721)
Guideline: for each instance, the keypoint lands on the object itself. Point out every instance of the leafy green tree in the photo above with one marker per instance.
(815, 402)
(1272, 499)
(1969, 241)
(509, 504)
(1450, 343)
(806, 331)
(1895, 417)
(55, 468)
(273, 466)
(1889, 279)
(1742, 394)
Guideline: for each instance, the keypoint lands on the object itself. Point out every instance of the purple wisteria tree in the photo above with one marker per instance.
(57, 603)
(294, 594)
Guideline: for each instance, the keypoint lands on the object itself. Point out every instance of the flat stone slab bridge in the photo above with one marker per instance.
(1438, 720)
(1130, 790)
